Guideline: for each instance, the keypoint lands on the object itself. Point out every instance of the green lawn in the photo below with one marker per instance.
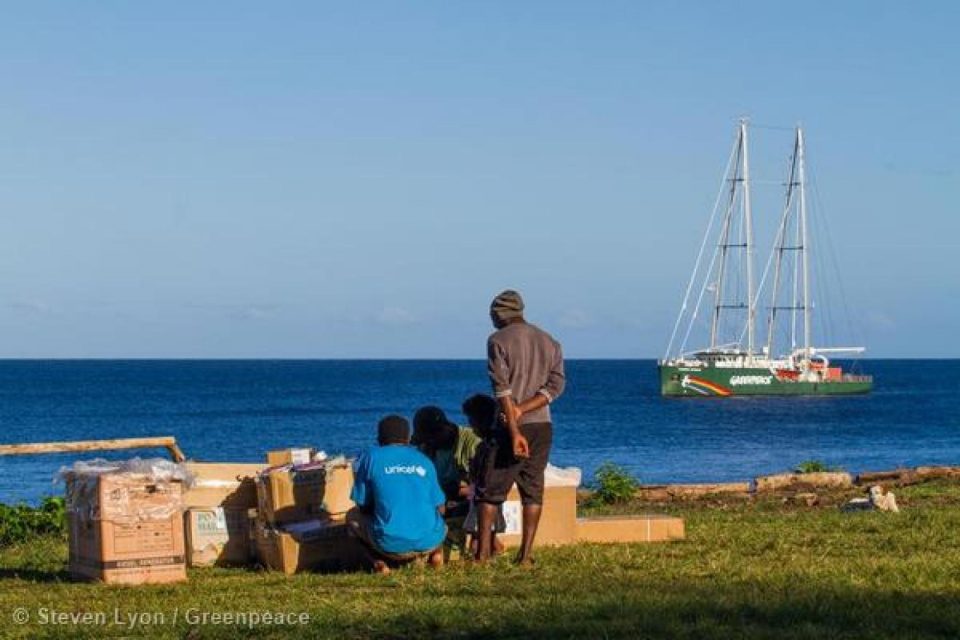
(757, 569)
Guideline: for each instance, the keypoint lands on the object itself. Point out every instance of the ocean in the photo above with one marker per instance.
(236, 410)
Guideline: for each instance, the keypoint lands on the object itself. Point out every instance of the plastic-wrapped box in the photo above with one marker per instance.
(125, 520)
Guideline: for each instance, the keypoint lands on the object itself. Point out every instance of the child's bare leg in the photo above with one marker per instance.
(435, 559)
(496, 545)
(485, 516)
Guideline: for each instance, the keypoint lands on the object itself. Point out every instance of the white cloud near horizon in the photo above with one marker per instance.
(393, 316)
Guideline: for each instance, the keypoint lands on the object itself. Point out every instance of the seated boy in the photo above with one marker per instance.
(450, 448)
(399, 502)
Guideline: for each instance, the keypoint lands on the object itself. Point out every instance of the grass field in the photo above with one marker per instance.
(762, 569)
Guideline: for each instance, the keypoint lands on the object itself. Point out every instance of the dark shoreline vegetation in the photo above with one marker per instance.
(768, 566)
(22, 522)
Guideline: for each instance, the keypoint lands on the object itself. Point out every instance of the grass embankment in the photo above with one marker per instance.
(760, 568)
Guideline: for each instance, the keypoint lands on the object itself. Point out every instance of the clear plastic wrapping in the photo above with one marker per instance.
(562, 476)
(125, 491)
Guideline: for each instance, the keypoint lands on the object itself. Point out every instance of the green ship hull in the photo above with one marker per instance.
(711, 381)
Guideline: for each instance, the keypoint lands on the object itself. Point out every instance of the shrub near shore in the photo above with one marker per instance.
(20, 523)
(765, 568)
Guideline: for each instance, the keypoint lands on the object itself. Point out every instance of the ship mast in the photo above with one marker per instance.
(805, 250)
(741, 178)
(748, 220)
(795, 204)
(780, 248)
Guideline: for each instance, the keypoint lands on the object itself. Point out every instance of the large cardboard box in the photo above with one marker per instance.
(639, 528)
(217, 536)
(558, 521)
(313, 545)
(125, 528)
(222, 484)
(559, 517)
(296, 493)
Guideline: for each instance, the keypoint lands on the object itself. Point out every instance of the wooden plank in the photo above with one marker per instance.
(165, 442)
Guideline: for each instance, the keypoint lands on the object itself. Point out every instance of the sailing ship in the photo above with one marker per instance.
(736, 362)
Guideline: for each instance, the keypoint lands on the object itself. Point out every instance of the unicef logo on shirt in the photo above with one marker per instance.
(406, 470)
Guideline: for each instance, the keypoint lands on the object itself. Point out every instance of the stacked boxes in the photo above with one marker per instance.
(138, 522)
(125, 527)
(311, 545)
(222, 484)
(294, 493)
(301, 517)
(559, 524)
(217, 520)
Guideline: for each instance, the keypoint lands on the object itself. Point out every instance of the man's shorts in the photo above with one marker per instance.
(527, 473)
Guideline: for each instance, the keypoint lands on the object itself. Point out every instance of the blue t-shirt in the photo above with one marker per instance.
(401, 485)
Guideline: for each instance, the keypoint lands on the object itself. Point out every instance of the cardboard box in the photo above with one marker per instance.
(217, 536)
(280, 457)
(313, 545)
(558, 522)
(640, 528)
(292, 494)
(125, 528)
(222, 484)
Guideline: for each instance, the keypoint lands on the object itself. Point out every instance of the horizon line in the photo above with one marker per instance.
(366, 358)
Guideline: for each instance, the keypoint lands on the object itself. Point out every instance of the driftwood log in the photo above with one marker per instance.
(795, 481)
(874, 477)
(663, 492)
(901, 477)
(165, 442)
(799, 487)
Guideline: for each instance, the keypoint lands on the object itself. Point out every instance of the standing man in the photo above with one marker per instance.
(525, 365)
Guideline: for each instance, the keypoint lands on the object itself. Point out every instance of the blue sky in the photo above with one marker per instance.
(358, 179)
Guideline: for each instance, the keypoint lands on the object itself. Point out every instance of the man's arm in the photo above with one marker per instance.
(437, 495)
(498, 371)
(499, 374)
(556, 379)
(512, 414)
(361, 475)
(538, 401)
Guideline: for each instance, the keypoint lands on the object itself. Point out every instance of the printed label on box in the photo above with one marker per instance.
(512, 511)
(300, 456)
(144, 537)
(213, 521)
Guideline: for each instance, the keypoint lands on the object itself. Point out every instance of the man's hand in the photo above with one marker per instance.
(511, 417)
(521, 448)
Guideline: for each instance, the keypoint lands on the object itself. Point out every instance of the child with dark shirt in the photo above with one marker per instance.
(482, 412)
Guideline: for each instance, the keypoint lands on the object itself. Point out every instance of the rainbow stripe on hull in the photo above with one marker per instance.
(703, 386)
